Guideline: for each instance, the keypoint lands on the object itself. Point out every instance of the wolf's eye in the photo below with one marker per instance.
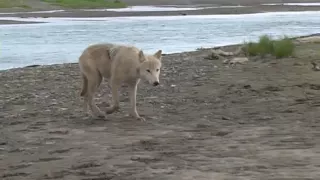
(157, 70)
(148, 70)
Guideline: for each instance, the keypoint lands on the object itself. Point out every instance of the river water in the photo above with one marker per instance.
(61, 40)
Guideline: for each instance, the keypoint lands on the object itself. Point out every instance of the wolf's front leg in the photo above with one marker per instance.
(133, 99)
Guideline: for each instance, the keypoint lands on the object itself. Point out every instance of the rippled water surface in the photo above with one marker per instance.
(63, 40)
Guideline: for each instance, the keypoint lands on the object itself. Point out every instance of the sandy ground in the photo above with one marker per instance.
(206, 121)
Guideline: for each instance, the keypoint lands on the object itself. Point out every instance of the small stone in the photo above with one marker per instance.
(247, 86)
(3, 143)
(50, 142)
(59, 131)
(297, 64)
(225, 118)
(226, 61)
(222, 133)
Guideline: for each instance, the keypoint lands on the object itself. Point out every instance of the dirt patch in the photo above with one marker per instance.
(206, 121)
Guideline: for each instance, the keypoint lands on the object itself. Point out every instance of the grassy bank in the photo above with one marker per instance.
(73, 4)
(283, 47)
(13, 3)
(87, 3)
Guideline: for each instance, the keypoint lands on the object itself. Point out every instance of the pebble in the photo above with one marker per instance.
(225, 118)
(50, 142)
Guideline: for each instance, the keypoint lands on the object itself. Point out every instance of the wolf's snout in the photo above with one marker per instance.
(156, 83)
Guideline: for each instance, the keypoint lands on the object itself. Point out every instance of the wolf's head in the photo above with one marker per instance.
(150, 67)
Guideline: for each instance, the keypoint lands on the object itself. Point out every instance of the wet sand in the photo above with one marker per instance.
(5, 22)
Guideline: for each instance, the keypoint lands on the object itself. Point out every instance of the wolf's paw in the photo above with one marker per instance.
(141, 119)
(109, 110)
(137, 117)
(112, 109)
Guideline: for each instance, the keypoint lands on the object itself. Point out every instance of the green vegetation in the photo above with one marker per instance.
(279, 48)
(90, 4)
(12, 3)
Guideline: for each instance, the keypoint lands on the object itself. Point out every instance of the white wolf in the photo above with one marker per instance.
(118, 64)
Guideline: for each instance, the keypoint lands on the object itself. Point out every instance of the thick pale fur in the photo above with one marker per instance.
(118, 64)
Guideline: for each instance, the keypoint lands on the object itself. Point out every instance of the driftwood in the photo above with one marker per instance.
(228, 57)
(220, 52)
(31, 66)
(236, 60)
(311, 39)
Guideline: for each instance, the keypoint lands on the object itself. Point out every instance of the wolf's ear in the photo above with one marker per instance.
(158, 54)
(142, 58)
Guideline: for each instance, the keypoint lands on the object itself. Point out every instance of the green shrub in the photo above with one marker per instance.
(265, 45)
(88, 3)
(12, 3)
(283, 48)
(280, 48)
(251, 49)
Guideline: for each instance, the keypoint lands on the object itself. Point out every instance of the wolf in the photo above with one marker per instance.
(118, 64)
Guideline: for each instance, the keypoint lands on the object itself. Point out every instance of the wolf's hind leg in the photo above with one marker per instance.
(115, 97)
(94, 82)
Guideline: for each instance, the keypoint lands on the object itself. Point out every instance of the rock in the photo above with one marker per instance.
(212, 56)
(238, 60)
(225, 118)
(226, 61)
(315, 66)
(247, 86)
(297, 64)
